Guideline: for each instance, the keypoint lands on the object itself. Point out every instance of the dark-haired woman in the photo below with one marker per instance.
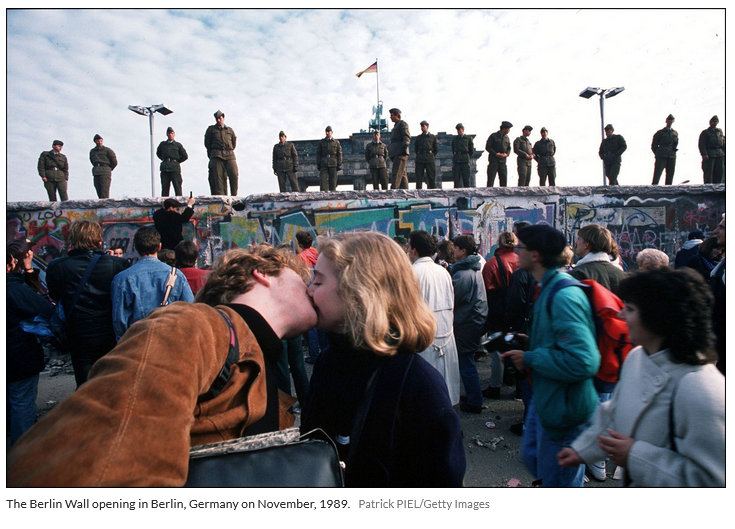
(666, 421)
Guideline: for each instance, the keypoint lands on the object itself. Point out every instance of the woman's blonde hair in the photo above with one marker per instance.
(385, 311)
(507, 239)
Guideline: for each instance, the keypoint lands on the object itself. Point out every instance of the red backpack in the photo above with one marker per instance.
(611, 331)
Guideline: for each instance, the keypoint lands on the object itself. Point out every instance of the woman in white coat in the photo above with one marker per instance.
(666, 421)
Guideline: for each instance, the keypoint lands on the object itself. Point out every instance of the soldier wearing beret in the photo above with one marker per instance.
(611, 150)
(498, 148)
(220, 142)
(172, 154)
(524, 150)
(712, 149)
(544, 151)
(104, 162)
(328, 161)
(400, 139)
(462, 151)
(285, 163)
(53, 168)
(426, 147)
(664, 146)
(376, 153)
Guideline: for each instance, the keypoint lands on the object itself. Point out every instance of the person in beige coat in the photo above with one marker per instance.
(665, 424)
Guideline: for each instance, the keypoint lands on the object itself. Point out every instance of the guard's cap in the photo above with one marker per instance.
(396, 111)
(97, 137)
(171, 203)
(58, 142)
(542, 238)
(544, 129)
(219, 114)
(328, 129)
(528, 127)
(170, 130)
(424, 123)
(506, 125)
(609, 127)
(459, 126)
(715, 118)
(281, 134)
(670, 117)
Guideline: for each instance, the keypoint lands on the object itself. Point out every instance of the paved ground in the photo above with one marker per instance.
(496, 464)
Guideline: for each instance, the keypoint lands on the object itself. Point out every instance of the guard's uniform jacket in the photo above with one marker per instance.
(53, 166)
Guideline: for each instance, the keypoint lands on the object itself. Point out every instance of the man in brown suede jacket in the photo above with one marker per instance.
(146, 402)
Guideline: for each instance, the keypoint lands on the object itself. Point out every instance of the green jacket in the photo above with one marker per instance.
(462, 149)
(712, 143)
(103, 161)
(496, 143)
(545, 151)
(53, 167)
(522, 146)
(285, 157)
(612, 148)
(171, 155)
(328, 153)
(563, 357)
(400, 139)
(375, 154)
(220, 142)
(426, 147)
(665, 143)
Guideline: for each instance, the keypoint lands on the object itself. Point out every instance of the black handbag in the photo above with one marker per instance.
(273, 459)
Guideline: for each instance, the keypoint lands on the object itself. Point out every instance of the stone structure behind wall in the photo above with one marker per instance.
(638, 216)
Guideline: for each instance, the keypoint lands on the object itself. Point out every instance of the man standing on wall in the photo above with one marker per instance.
(169, 222)
(375, 154)
(498, 148)
(544, 151)
(104, 162)
(664, 146)
(53, 169)
(285, 162)
(462, 151)
(400, 139)
(328, 161)
(172, 154)
(611, 151)
(712, 149)
(220, 142)
(523, 148)
(426, 147)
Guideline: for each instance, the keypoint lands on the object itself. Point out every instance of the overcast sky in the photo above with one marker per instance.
(72, 73)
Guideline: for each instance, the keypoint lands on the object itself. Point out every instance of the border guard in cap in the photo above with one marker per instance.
(462, 151)
(172, 154)
(426, 147)
(376, 152)
(400, 139)
(498, 148)
(53, 168)
(524, 150)
(104, 162)
(285, 163)
(611, 151)
(544, 151)
(328, 161)
(712, 149)
(220, 142)
(664, 146)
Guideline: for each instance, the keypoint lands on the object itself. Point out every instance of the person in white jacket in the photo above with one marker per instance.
(666, 421)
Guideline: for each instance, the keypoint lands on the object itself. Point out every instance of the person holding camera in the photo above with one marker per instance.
(562, 357)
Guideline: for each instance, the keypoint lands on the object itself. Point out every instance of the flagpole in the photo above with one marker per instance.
(377, 87)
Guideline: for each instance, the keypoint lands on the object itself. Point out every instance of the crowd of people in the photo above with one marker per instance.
(220, 142)
(394, 329)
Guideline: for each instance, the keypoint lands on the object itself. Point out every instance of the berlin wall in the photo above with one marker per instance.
(638, 216)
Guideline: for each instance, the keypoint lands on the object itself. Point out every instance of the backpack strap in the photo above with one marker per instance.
(224, 374)
(80, 287)
(563, 283)
(503, 272)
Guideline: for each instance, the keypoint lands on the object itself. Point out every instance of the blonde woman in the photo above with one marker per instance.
(370, 391)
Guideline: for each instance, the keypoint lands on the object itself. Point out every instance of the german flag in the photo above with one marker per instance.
(373, 68)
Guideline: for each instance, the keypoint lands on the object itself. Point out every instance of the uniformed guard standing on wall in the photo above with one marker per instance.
(664, 146)
(220, 142)
(498, 148)
(426, 147)
(462, 151)
(376, 153)
(172, 154)
(285, 163)
(328, 161)
(523, 148)
(544, 151)
(400, 139)
(712, 149)
(53, 168)
(104, 162)
(611, 151)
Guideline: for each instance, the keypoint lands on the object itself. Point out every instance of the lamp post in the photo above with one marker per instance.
(149, 111)
(604, 93)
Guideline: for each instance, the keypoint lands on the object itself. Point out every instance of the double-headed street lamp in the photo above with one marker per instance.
(149, 111)
(604, 93)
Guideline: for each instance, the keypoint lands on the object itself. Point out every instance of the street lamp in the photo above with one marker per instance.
(149, 111)
(604, 93)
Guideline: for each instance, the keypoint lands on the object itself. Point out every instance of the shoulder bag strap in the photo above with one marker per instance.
(224, 375)
(503, 273)
(170, 282)
(80, 287)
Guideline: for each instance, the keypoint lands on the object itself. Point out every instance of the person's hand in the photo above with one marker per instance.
(617, 446)
(705, 158)
(44, 179)
(522, 340)
(569, 457)
(516, 355)
(28, 260)
(190, 202)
